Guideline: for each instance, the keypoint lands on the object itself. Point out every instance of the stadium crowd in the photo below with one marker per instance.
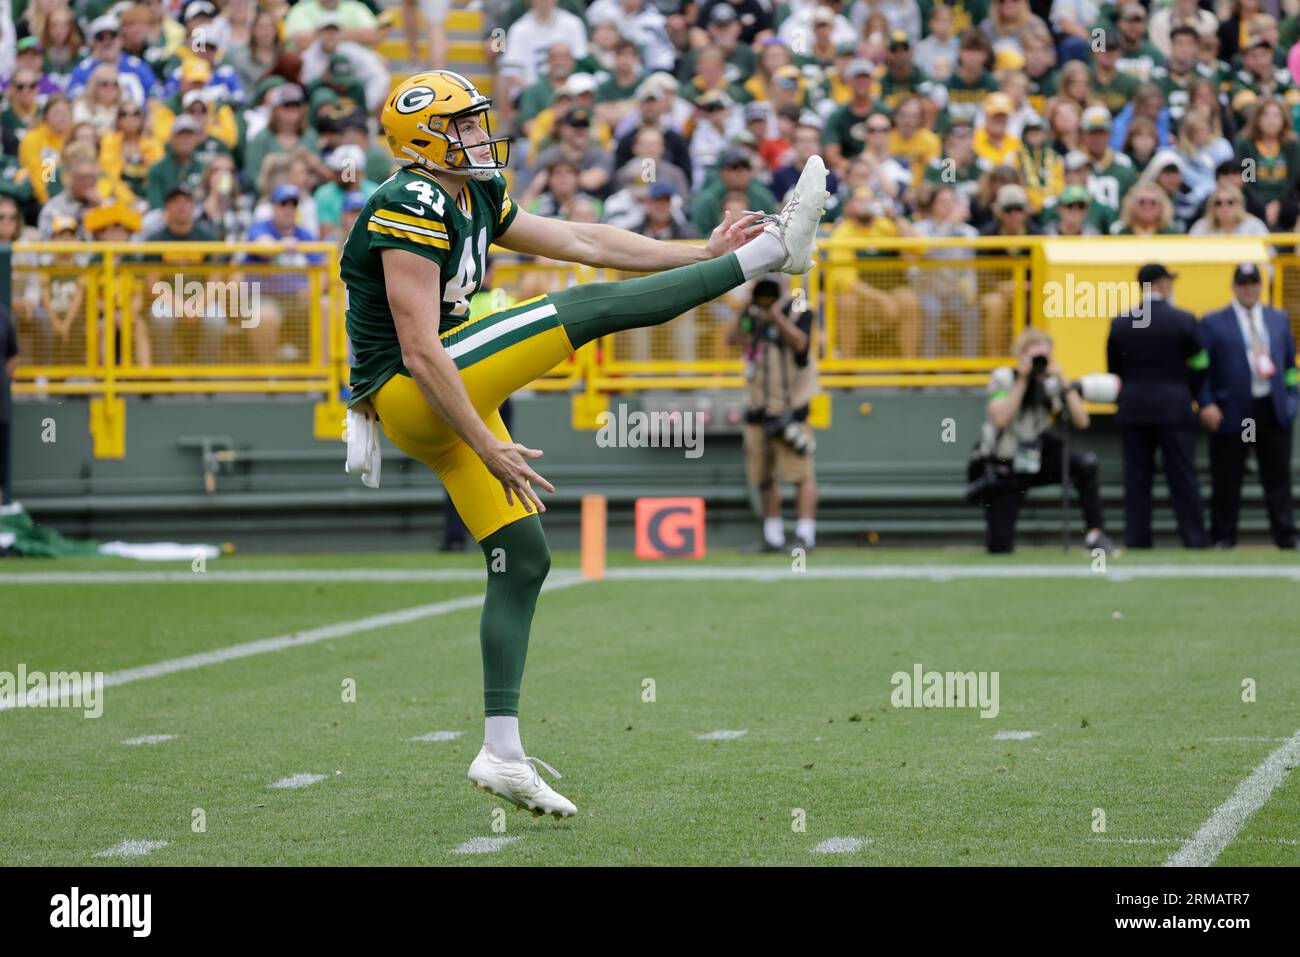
(179, 120)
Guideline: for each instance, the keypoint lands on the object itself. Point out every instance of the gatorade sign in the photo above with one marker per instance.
(670, 528)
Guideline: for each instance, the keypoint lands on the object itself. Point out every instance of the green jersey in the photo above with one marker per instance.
(412, 211)
(1110, 178)
(1116, 93)
(1178, 88)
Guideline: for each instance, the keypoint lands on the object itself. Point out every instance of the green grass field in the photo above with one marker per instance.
(1133, 686)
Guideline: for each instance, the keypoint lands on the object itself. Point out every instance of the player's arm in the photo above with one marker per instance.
(596, 244)
(408, 278)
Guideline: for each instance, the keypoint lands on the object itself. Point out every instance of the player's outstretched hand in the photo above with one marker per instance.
(730, 236)
(508, 462)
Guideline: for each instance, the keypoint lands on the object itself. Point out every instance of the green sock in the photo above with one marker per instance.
(589, 312)
(518, 559)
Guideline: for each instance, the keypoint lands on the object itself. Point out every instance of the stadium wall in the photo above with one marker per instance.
(246, 469)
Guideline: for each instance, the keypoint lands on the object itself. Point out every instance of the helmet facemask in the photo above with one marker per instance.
(459, 157)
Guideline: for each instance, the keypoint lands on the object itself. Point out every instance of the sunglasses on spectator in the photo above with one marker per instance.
(105, 35)
(743, 164)
(1013, 209)
(1075, 206)
(287, 202)
(1134, 17)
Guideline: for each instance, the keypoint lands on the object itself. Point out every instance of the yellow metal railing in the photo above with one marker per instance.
(900, 313)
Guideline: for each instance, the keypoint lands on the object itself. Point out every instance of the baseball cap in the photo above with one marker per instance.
(114, 214)
(998, 103)
(860, 67)
(186, 124)
(105, 24)
(1074, 193)
(1010, 196)
(200, 8)
(1008, 58)
(62, 224)
(1154, 272)
(1246, 274)
(723, 13)
(329, 21)
(822, 15)
(191, 97)
(1035, 122)
(196, 71)
(354, 201)
(711, 99)
(1095, 118)
(898, 39)
(733, 157)
(755, 111)
(286, 94)
(788, 76)
(283, 192)
(578, 116)
(1075, 160)
(348, 156)
(662, 190)
(32, 44)
(580, 83)
(180, 189)
(1259, 40)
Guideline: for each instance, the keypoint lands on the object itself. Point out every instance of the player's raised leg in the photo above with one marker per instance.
(786, 245)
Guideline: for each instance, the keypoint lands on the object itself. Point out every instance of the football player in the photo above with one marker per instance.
(435, 378)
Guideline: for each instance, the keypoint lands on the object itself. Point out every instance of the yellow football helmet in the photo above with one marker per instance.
(422, 121)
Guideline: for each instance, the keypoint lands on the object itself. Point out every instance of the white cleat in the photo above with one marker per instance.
(797, 223)
(519, 783)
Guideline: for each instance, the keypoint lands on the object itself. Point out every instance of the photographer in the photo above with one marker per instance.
(781, 373)
(1017, 451)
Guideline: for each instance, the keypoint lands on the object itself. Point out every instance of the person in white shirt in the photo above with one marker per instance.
(640, 22)
(1179, 12)
(527, 44)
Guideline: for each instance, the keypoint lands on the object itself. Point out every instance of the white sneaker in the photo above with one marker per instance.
(519, 783)
(796, 224)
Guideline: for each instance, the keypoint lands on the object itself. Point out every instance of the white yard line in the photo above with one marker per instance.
(133, 849)
(343, 629)
(841, 845)
(1230, 816)
(247, 577)
(486, 845)
(683, 572)
(950, 572)
(302, 780)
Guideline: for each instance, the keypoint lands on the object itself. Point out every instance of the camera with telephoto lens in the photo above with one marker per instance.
(787, 428)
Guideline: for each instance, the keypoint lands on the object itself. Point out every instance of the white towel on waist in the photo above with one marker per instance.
(361, 432)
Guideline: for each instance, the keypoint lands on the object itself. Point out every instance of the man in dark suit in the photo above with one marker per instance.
(1157, 353)
(1249, 397)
